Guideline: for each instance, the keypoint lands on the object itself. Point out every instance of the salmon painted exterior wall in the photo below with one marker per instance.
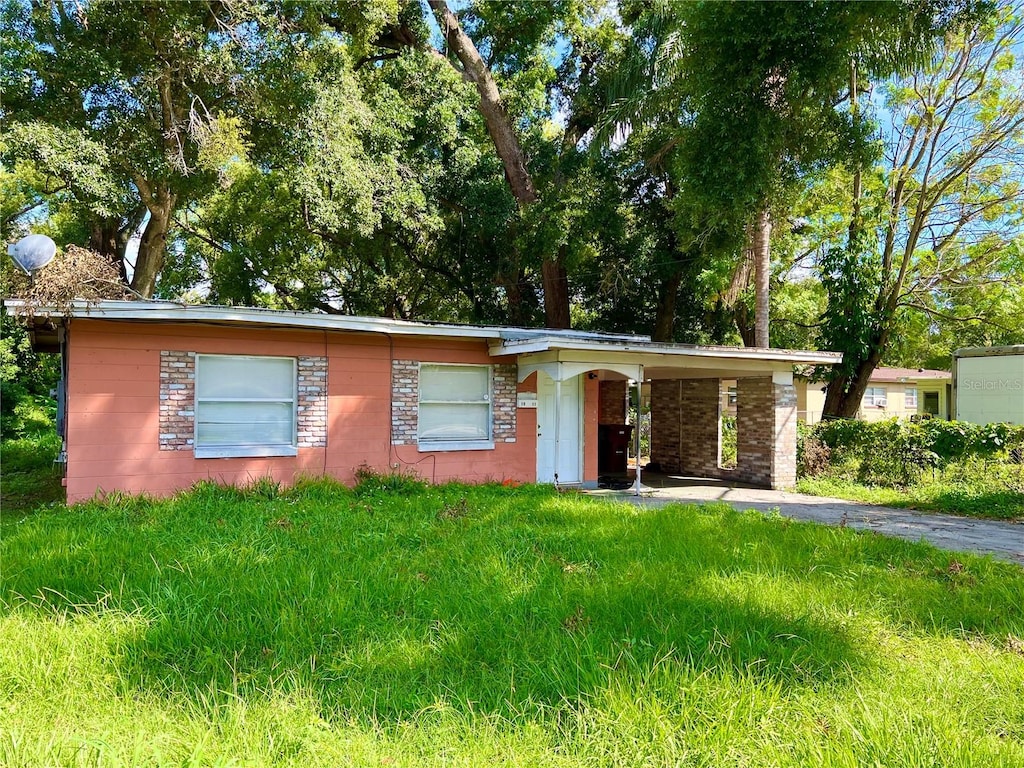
(113, 410)
(591, 411)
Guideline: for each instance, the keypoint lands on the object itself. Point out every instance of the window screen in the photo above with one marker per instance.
(245, 406)
(911, 397)
(455, 403)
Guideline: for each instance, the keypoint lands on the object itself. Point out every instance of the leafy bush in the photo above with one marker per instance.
(23, 374)
(958, 467)
(945, 441)
(728, 441)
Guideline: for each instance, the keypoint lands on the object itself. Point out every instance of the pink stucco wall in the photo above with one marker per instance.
(112, 418)
(591, 410)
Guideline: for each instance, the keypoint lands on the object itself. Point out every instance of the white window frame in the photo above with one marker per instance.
(910, 402)
(473, 444)
(872, 398)
(244, 451)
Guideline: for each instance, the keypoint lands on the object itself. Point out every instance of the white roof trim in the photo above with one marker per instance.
(171, 312)
(547, 343)
(504, 340)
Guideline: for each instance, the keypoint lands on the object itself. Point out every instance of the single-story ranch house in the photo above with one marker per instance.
(158, 395)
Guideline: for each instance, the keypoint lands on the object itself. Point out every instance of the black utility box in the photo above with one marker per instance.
(613, 447)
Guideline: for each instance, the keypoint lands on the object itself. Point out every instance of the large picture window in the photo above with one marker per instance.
(455, 407)
(245, 406)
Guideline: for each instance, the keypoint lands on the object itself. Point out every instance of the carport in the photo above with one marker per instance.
(686, 404)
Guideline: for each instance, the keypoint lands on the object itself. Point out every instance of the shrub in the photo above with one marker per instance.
(898, 452)
(814, 457)
(728, 441)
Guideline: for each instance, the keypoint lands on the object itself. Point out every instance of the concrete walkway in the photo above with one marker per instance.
(963, 534)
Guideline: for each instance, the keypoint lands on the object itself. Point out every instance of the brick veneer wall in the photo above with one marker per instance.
(611, 403)
(765, 432)
(666, 425)
(685, 430)
(405, 401)
(700, 407)
(405, 393)
(178, 401)
(312, 404)
(504, 386)
(685, 426)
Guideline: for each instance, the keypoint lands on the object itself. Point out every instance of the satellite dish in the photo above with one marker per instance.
(32, 253)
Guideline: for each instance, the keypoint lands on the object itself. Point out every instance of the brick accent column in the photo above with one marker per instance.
(405, 401)
(611, 402)
(312, 402)
(503, 406)
(766, 432)
(177, 400)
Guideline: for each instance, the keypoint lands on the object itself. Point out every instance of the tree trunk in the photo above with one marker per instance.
(513, 159)
(760, 242)
(665, 318)
(499, 127)
(731, 297)
(153, 246)
(843, 394)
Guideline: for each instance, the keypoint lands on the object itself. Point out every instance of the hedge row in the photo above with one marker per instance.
(897, 452)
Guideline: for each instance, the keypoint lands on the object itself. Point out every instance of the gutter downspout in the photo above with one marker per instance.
(558, 423)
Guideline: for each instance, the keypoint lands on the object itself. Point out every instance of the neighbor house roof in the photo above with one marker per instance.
(894, 375)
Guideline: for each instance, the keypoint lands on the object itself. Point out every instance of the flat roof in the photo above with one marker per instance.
(175, 312)
(503, 340)
(545, 341)
(1013, 349)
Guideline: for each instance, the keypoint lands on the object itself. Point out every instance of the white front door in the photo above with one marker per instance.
(569, 438)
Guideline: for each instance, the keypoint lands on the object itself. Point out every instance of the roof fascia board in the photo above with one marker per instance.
(598, 360)
(174, 313)
(596, 349)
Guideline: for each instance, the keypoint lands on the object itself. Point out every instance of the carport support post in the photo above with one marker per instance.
(558, 424)
(636, 427)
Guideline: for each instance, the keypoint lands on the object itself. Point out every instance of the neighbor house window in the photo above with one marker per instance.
(455, 407)
(931, 403)
(875, 396)
(911, 395)
(245, 406)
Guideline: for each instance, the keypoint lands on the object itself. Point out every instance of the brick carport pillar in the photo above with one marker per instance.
(765, 432)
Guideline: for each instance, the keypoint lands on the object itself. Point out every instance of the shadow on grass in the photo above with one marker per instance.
(488, 599)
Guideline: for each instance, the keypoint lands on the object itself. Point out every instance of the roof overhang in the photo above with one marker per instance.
(172, 312)
(626, 355)
(564, 357)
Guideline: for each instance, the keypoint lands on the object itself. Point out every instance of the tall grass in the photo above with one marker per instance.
(403, 625)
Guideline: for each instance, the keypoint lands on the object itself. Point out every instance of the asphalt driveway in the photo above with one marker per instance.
(1001, 539)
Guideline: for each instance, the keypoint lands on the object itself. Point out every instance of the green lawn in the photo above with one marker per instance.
(994, 491)
(494, 626)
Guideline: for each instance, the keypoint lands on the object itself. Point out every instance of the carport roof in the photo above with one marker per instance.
(541, 342)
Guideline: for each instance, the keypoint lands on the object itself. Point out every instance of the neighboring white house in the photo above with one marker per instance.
(988, 384)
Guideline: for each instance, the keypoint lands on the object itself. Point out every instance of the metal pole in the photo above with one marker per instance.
(558, 423)
(639, 420)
